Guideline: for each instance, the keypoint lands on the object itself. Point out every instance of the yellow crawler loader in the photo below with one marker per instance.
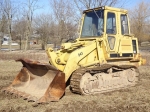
(104, 58)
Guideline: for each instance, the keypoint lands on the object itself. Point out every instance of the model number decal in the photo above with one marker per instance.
(79, 54)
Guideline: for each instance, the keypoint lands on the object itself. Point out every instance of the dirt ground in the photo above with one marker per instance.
(133, 99)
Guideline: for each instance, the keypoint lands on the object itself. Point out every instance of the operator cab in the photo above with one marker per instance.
(104, 20)
(112, 26)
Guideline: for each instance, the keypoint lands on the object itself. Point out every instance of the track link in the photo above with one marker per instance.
(75, 80)
(101, 79)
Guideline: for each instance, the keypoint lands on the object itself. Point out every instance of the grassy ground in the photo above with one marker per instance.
(133, 99)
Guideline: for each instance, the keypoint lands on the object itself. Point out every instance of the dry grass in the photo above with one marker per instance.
(39, 55)
(134, 99)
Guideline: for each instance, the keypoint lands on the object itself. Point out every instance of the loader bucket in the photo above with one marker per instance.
(37, 82)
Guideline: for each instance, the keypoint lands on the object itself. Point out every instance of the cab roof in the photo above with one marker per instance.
(107, 8)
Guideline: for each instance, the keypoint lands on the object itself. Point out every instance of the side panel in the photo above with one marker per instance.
(76, 57)
(91, 57)
(125, 45)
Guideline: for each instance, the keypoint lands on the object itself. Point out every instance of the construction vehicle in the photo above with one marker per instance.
(104, 58)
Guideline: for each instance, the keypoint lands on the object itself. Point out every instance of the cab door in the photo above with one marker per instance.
(111, 32)
(126, 41)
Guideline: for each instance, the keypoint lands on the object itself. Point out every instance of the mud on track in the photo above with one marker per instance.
(132, 99)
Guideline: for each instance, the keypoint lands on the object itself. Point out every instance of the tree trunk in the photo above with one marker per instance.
(20, 42)
(45, 45)
(28, 47)
(10, 42)
(9, 25)
(42, 42)
(27, 43)
(0, 43)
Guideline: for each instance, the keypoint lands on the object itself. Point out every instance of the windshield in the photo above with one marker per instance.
(93, 24)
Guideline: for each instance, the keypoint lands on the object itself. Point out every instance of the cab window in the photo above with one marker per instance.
(111, 23)
(124, 24)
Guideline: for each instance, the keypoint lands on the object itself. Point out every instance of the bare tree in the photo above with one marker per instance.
(140, 21)
(1, 24)
(44, 26)
(19, 27)
(8, 9)
(65, 18)
(28, 10)
(3, 27)
(87, 4)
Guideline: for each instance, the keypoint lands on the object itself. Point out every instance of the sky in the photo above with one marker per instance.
(45, 5)
(132, 3)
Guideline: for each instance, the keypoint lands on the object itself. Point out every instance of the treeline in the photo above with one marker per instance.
(140, 21)
(20, 22)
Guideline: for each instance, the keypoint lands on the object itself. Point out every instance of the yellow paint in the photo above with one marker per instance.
(90, 51)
